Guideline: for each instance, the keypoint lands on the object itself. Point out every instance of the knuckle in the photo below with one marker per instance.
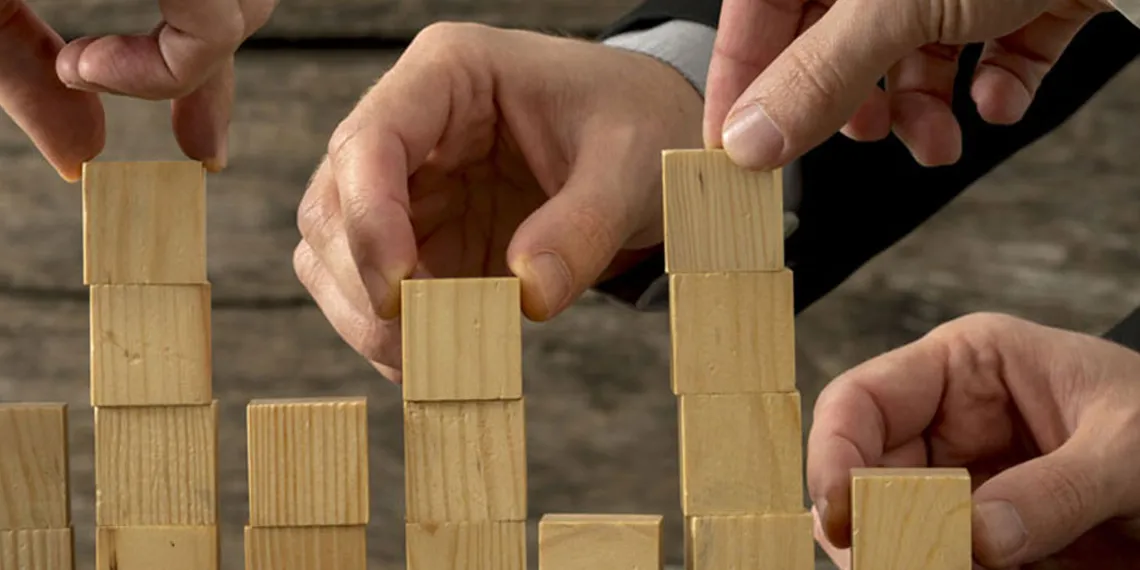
(1070, 491)
(305, 265)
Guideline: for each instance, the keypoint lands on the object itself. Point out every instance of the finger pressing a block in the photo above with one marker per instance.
(34, 476)
(590, 542)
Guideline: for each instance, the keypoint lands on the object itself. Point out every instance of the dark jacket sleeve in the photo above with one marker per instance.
(653, 12)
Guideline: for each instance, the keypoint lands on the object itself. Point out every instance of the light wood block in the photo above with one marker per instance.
(308, 462)
(462, 339)
(37, 549)
(156, 548)
(34, 470)
(590, 542)
(144, 223)
(156, 466)
(720, 217)
(150, 345)
(306, 548)
(732, 332)
(488, 545)
(465, 461)
(741, 454)
(911, 518)
(783, 541)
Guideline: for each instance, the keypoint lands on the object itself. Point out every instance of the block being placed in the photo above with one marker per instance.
(37, 549)
(486, 545)
(306, 548)
(783, 541)
(34, 470)
(154, 548)
(308, 462)
(462, 339)
(593, 541)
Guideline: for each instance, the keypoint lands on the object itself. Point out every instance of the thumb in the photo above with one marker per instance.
(1041, 506)
(815, 85)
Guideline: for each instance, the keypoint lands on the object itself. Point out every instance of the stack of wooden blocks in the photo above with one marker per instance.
(35, 505)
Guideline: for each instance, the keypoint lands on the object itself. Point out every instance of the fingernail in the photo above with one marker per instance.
(751, 139)
(1001, 527)
(553, 279)
(218, 162)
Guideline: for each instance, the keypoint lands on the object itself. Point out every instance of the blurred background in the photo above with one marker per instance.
(1049, 236)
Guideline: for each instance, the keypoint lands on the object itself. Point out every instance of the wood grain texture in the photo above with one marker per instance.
(156, 466)
(487, 545)
(593, 541)
(783, 541)
(732, 332)
(465, 461)
(37, 549)
(911, 518)
(150, 345)
(462, 339)
(741, 454)
(156, 548)
(720, 217)
(144, 223)
(306, 548)
(308, 462)
(34, 466)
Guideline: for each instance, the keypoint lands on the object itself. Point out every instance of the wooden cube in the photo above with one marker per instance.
(37, 549)
(306, 548)
(593, 541)
(34, 470)
(156, 547)
(465, 461)
(486, 545)
(732, 332)
(462, 339)
(783, 541)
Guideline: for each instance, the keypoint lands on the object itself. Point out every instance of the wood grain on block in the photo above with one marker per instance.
(150, 345)
(308, 462)
(732, 332)
(37, 549)
(485, 545)
(720, 217)
(589, 542)
(306, 548)
(144, 223)
(462, 339)
(156, 548)
(776, 540)
(34, 466)
(911, 518)
(465, 461)
(741, 454)
(156, 466)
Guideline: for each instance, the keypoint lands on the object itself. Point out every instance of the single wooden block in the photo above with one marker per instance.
(34, 469)
(487, 545)
(465, 461)
(156, 547)
(308, 462)
(720, 217)
(37, 549)
(144, 223)
(150, 345)
(462, 339)
(783, 541)
(741, 454)
(732, 332)
(156, 466)
(590, 542)
(911, 518)
(306, 548)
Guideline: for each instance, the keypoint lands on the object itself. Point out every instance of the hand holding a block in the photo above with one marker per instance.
(1047, 420)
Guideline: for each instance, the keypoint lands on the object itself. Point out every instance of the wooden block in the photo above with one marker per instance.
(488, 545)
(150, 345)
(462, 339)
(732, 332)
(911, 518)
(720, 217)
(590, 542)
(308, 462)
(306, 548)
(741, 454)
(144, 223)
(37, 549)
(156, 466)
(783, 541)
(465, 461)
(156, 547)
(34, 470)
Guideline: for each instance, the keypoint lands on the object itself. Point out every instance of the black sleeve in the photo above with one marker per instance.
(653, 12)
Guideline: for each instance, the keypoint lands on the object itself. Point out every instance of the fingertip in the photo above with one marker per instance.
(67, 64)
(751, 139)
(1001, 98)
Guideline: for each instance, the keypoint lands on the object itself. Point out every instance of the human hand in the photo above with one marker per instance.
(50, 89)
(489, 152)
(789, 75)
(1046, 420)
